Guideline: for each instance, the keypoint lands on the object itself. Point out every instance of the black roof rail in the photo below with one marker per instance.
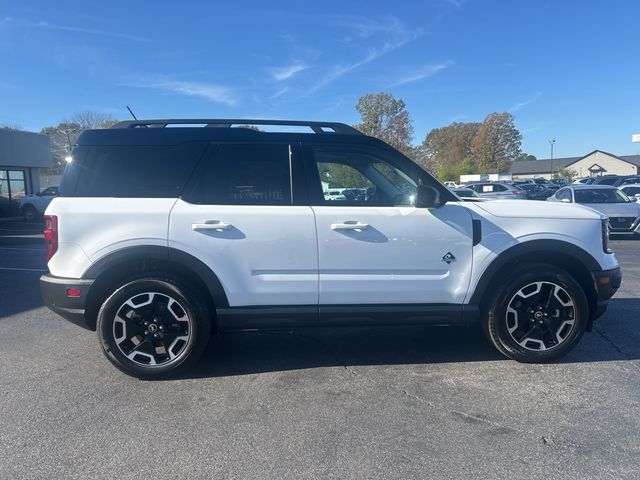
(317, 127)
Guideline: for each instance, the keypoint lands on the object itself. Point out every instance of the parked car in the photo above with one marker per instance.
(535, 191)
(468, 195)
(583, 181)
(498, 191)
(623, 212)
(632, 190)
(451, 184)
(627, 180)
(163, 235)
(560, 182)
(33, 206)
(606, 180)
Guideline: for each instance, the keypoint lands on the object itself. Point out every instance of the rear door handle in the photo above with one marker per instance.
(211, 225)
(349, 226)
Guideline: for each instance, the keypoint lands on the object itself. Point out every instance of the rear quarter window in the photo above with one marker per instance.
(130, 171)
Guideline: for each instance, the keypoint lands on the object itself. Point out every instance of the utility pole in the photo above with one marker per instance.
(552, 142)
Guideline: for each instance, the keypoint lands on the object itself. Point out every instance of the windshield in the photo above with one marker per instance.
(601, 195)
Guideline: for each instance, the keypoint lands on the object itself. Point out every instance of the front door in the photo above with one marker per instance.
(374, 246)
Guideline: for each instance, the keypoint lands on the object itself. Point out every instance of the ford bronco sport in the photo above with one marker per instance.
(162, 235)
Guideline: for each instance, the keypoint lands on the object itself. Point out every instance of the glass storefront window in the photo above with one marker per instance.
(13, 187)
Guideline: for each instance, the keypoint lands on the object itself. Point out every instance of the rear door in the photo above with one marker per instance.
(374, 245)
(244, 216)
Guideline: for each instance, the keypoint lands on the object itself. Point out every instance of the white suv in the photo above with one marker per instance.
(162, 235)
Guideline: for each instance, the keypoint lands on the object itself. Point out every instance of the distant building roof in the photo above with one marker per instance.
(528, 167)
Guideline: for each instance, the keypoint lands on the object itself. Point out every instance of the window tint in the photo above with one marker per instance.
(130, 171)
(601, 195)
(564, 194)
(361, 176)
(243, 174)
(632, 190)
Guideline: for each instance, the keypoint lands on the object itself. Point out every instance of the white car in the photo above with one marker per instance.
(162, 235)
(32, 206)
(632, 191)
(623, 212)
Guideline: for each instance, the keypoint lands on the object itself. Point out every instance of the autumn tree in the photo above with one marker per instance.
(497, 144)
(64, 135)
(446, 148)
(385, 117)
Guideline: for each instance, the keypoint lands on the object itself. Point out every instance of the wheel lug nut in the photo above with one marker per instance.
(155, 335)
(146, 324)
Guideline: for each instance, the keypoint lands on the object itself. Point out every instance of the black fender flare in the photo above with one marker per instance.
(168, 254)
(527, 249)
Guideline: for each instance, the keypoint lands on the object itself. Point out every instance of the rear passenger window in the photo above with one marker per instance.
(130, 171)
(243, 174)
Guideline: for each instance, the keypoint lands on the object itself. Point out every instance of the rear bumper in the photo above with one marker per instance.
(54, 293)
(607, 283)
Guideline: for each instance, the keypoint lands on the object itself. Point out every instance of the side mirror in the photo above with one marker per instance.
(427, 197)
(565, 200)
(634, 198)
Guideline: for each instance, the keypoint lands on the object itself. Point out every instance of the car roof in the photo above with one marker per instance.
(590, 187)
(160, 132)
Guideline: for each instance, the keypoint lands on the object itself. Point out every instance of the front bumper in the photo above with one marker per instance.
(606, 283)
(55, 295)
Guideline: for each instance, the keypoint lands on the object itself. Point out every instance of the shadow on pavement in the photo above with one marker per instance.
(260, 352)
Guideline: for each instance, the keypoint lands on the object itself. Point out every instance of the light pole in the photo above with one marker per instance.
(552, 142)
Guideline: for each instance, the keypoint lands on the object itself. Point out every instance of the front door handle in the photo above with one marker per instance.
(211, 225)
(349, 226)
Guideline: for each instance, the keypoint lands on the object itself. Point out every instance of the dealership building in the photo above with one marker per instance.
(22, 154)
(590, 165)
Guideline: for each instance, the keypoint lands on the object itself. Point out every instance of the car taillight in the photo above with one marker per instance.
(51, 235)
(518, 192)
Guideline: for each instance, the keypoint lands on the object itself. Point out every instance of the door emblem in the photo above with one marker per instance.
(448, 258)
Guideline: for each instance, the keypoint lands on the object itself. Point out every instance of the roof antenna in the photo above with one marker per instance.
(134, 117)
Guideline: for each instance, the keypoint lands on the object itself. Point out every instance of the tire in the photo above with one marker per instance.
(30, 213)
(153, 328)
(537, 314)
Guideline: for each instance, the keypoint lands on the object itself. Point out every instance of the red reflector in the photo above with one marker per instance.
(73, 292)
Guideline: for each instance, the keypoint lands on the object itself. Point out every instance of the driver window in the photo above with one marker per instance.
(356, 176)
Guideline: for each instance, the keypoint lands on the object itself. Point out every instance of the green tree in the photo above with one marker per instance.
(497, 144)
(385, 117)
(524, 157)
(443, 149)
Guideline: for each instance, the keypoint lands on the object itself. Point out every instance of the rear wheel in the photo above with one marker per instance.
(153, 327)
(538, 314)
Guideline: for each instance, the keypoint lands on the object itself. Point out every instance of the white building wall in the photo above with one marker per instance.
(611, 164)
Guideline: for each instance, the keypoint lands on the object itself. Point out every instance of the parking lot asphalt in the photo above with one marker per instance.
(345, 403)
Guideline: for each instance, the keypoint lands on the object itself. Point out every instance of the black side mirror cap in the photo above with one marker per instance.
(427, 197)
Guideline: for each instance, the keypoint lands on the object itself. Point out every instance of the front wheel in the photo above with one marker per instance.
(153, 327)
(537, 314)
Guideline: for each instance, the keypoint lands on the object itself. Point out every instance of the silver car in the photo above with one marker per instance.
(498, 191)
(623, 211)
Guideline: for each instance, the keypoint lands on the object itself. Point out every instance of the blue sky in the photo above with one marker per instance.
(565, 69)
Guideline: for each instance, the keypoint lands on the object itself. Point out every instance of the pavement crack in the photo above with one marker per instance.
(616, 347)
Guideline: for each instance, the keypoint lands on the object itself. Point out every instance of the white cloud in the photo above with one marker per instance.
(421, 73)
(11, 22)
(209, 91)
(520, 105)
(284, 73)
(389, 46)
